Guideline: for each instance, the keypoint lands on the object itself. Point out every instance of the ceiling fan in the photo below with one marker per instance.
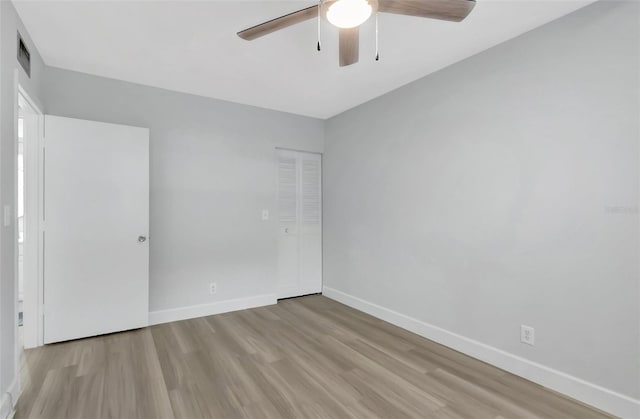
(348, 15)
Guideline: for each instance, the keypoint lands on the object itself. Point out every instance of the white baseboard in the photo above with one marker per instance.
(589, 393)
(201, 310)
(9, 399)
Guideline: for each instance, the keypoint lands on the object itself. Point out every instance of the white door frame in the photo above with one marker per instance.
(33, 330)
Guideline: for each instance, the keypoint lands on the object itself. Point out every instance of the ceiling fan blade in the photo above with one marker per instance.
(279, 23)
(452, 10)
(349, 46)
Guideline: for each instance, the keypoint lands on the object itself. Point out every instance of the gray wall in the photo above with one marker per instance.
(9, 25)
(502, 191)
(212, 172)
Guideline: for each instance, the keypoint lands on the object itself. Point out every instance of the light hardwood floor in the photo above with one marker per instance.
(309, 357)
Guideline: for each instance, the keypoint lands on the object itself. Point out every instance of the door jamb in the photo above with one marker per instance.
(34, 227)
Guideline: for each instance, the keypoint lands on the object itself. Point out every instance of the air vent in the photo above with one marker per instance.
(24, 56)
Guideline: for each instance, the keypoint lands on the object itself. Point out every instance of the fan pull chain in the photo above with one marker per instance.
(377, 42)
(319, 7)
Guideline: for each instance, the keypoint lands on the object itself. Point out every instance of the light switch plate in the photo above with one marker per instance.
(7, 216)
(265, 214)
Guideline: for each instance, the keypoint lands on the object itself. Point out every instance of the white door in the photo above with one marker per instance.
(96, 223)
(300, 223)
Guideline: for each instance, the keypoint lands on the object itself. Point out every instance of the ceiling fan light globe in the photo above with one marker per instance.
(346, 14)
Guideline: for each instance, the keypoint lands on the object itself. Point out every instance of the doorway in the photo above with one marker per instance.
(28, 210)
(299, 223)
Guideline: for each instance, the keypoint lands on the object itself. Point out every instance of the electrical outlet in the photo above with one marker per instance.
(527, 335)
(213, 288)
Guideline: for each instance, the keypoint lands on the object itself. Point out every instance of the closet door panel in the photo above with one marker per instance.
(288, 187)
(299, 223)
(311, 223)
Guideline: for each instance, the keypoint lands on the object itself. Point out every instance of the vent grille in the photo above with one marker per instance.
(24, 56)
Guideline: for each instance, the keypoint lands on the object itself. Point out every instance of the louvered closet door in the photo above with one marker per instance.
(300, 223)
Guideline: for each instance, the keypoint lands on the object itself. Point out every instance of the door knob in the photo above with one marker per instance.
(142, 239)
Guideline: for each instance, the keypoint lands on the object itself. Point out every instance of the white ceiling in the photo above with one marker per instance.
(191, 46)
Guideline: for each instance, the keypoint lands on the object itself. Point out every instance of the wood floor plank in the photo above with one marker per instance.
(309, 357)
